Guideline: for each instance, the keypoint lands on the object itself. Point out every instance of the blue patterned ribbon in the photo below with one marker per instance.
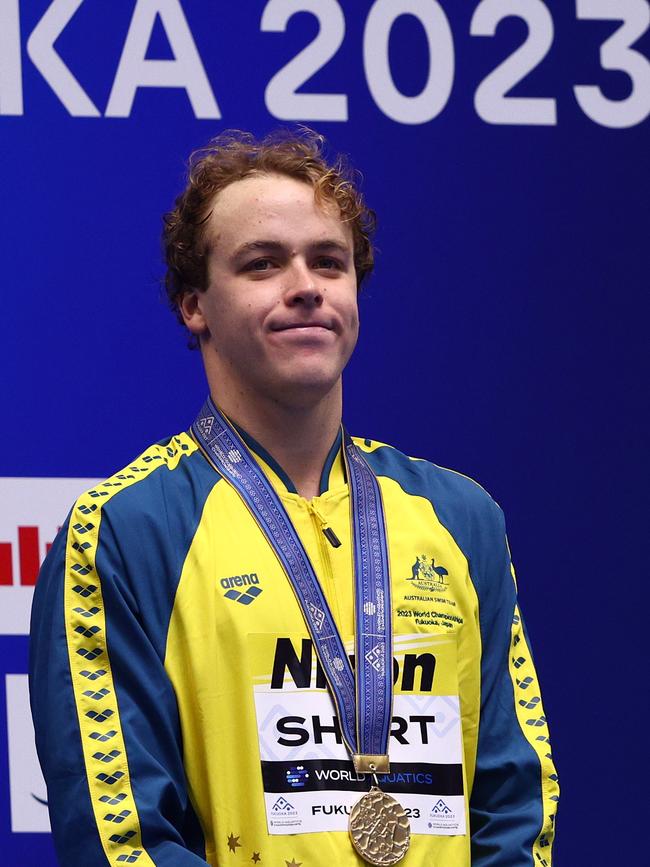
(363, 698)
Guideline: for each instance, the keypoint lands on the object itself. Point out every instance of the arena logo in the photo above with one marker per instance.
(244, 597)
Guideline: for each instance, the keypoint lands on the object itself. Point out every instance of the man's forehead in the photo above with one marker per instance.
(273, 207)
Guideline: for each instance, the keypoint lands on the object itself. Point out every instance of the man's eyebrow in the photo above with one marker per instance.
(277, 246)
(252, 246)
(332, 244)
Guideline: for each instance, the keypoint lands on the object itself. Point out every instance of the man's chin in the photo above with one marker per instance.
(302, 391)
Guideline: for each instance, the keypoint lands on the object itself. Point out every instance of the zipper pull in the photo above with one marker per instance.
(331, 537)
(329, 534)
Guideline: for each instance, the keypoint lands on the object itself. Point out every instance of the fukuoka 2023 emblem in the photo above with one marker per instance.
(427, 576)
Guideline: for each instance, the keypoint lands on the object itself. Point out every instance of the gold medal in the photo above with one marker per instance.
(379, 828)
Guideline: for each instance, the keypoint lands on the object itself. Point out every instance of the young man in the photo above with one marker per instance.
(262, 631)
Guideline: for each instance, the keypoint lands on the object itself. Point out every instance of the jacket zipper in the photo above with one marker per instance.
(321, 528)
(325, 528)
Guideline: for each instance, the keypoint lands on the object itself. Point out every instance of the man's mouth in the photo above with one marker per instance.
(297, 326)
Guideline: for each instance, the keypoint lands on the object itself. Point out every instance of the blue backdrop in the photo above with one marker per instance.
(504, 145)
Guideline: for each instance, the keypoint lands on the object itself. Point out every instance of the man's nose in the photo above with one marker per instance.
(302, 286)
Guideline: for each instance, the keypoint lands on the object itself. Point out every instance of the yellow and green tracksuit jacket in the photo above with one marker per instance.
(163, 623)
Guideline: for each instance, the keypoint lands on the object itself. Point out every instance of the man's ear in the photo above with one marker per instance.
(190, 307)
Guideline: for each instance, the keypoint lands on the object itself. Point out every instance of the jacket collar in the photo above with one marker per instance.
(332, 474)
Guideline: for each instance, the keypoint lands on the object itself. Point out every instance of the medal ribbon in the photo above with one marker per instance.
(363, 698)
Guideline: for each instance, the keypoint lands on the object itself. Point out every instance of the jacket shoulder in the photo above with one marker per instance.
(461, 504)
(169, 474)
(162, 466)
(421, 477)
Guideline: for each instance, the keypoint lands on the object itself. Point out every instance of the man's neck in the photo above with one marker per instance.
(299, 438)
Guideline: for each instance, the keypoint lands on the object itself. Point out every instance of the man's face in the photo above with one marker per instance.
(279, 318)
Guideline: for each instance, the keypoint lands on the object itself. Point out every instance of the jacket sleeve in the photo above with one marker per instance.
(515, 792)
(105, 714)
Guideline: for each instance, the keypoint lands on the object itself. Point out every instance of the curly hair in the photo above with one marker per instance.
(234, 155)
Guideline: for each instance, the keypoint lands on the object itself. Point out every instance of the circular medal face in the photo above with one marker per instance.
(379, 828)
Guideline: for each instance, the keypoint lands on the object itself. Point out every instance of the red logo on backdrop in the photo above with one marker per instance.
(31, 512)
(29, 558)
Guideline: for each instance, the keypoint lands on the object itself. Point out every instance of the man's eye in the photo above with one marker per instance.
(328, 263)
(259, 265)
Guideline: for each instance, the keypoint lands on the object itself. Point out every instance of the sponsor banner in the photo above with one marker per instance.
(309, 781)
(31, 513)
(26, 783)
